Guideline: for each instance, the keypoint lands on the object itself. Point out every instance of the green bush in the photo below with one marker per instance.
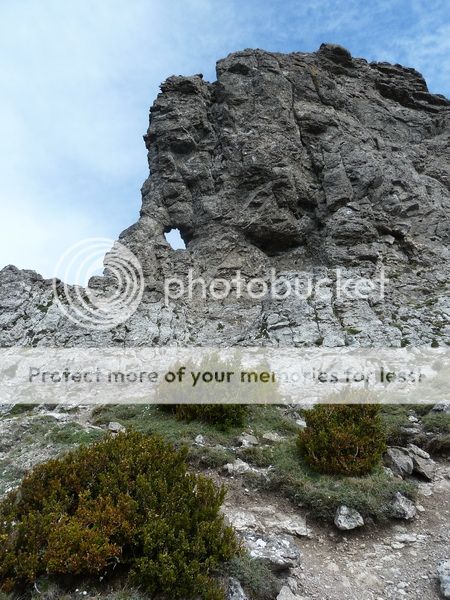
(222, 415)
(190, 403)
(127, 501)
(343, 439)
(256, 577)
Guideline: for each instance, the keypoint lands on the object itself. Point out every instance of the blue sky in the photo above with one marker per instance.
(78, 77)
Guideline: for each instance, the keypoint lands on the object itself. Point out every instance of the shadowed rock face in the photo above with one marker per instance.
(294, 162)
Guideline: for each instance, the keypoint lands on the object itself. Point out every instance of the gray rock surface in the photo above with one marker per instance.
(424, 467)
(402, 507)
(444, 577)
(115, 427)
(235, 591)
(347, 518)
(409, 461)
(287, 594)
(301, 162)
(247, 440)
(399, 461)
(280, 552)
(442, 407)
(266, 519)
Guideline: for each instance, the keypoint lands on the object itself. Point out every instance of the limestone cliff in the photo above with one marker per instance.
(294, 162)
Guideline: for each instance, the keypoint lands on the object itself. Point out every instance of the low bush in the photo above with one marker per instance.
(256, 577)
(223, 416)
(127, 502)
(343, 439)
(190, 403)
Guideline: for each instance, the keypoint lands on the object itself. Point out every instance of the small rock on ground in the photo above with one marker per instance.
(246, 440)
(280, 552)
(347, 518)
(115, 427)
(402, 507)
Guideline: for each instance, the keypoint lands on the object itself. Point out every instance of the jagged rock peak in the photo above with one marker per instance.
(294, 162)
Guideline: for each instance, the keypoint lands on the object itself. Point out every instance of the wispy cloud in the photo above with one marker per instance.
(78, 77)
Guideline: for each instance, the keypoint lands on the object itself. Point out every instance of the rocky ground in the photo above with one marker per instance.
(311, 559)
(391, 563)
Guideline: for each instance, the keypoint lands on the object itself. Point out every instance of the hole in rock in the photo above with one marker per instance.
(175, 240)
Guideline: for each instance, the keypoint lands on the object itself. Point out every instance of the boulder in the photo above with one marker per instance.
(424, 467)
(279, 551)
(247, 439)
(347, 518)
(115, 427)
(401, 507)
(442, 407)
(415, 450)
(399, 461)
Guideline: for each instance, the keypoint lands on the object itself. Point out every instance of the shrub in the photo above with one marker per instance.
(343, 439)
(178, 398)
(222, 415)
(126, 501)
(255, 576)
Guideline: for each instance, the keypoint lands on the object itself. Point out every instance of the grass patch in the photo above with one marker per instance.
(16, 410)
(396, 421)
(291, 476)
(151, 419)
(395, 418)
(255, 577)
(370, 495)
(438, 422)
(72, 434)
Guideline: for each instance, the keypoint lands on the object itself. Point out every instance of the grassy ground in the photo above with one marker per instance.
(289, 475)
(435, 427)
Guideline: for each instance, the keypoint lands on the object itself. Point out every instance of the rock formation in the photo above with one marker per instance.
(301, 163)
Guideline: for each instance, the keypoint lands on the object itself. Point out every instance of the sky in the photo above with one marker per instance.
(78, 78)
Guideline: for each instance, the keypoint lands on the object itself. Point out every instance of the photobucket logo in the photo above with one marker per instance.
(109, 299)
(277, 287)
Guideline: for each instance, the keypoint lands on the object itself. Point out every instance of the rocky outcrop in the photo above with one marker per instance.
(409, 461)
(301, 163)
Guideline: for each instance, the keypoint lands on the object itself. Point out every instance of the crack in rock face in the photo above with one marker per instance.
(292, 163)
